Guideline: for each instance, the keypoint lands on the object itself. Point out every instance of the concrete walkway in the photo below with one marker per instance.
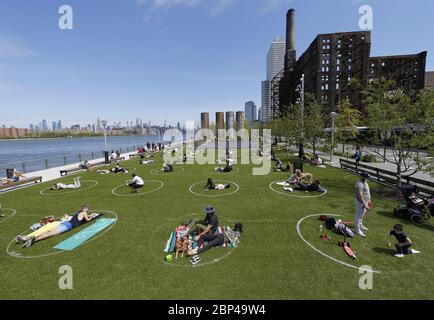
(54, 173)
(386, 166)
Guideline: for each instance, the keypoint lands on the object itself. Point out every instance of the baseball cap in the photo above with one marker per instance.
(364, 175)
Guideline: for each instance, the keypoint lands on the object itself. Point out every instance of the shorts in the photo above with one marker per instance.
(64, 227)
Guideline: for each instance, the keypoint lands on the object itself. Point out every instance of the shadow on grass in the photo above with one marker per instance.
(384, 251)
(405, 220)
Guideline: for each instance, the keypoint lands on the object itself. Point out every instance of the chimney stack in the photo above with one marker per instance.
(290, 56)
(290, 30)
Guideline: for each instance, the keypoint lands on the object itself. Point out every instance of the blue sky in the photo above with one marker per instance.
(169, 59)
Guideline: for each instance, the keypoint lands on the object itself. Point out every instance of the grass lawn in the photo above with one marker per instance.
(271, 262)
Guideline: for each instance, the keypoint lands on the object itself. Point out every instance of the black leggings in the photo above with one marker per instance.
(214, 240)
(135, 185)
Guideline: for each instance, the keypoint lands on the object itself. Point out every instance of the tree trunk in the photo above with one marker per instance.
(314, 145)
(398, 170)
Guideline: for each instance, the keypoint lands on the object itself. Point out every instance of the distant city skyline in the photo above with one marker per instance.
(172, 60)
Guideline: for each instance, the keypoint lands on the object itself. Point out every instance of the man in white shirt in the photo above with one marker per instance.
(136, 183)
(363, 203)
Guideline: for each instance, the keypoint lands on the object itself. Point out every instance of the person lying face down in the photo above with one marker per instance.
(211, 186)
(60, 185)
(79, 218)
(314, 186)
(217, 240)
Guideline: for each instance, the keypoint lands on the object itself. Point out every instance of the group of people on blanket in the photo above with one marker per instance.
(207, 236)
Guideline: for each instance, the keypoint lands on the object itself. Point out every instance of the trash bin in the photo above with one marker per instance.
(298, 165)
(9, 173)
(106, 157)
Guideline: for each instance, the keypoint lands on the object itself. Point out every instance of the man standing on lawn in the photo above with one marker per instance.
(363, 203)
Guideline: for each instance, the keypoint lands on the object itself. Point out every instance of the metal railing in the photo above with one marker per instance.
(47, 163)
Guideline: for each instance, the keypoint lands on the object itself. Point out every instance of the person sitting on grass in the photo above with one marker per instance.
(316, 161)
(311, 187)
(60, 185)
(217, 240)
(86, 165)
(227, 168)
(404, 243)
(167, 168)
(211, 186)
(204, 228)
(135, 183)
(79, 218)
(119, 169)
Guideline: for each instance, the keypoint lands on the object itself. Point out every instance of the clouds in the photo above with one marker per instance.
(13, 49)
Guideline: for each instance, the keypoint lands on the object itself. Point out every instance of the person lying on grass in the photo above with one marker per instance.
(312, 187)
(61, 186)
(119, 169)
(167, 167)
(299, 176)
(227, 168)
(217, 240)
(404, 243)
(135, 183)
(211, 186)
(79, 218)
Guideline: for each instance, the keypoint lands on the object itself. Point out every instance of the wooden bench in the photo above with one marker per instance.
(385, 176)
(70, 171)
(118, 159)
(21, 182)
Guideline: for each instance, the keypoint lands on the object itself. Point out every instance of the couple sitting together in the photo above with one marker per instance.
(206, 233)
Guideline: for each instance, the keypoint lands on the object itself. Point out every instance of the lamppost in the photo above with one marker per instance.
(300, 101)
(333, 115)
(104, 125)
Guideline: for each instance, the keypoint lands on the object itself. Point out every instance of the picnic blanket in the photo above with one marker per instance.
(173, 240)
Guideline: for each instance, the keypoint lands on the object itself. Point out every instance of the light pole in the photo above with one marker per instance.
(300, 101)
(333, 115)
(104, 125)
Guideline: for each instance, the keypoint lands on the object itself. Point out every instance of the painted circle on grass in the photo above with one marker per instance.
(298, 228)
(19, 255)
(214, 195)
(212, 170)
(179, 262)
(177, 169)
(348, 177)
(158, 185)
(47, 192)
(291, 194)
(12, 212)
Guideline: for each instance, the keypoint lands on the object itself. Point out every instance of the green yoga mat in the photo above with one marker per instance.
(77, 239)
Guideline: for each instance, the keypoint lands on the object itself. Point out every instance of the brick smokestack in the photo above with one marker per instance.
(290, 56)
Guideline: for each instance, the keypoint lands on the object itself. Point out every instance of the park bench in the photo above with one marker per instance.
(21, 182)
(385, 176)
(118, 159)
(65, 172)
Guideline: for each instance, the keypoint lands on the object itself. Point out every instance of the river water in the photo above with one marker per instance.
(38, 154)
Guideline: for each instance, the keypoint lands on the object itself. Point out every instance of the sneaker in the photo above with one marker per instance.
(414, 251)
(21, 239)
(360, 233)
(29, 242)
(195, 259)
(288, 189)
(399, 255)
(364, 228)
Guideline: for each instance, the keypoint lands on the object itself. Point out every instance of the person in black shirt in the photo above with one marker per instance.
(404, 243)
(207, 227)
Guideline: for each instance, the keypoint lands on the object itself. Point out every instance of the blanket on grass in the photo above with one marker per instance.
(173, 241)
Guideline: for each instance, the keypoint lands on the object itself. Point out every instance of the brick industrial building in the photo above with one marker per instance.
(12, 132)
(333, 60)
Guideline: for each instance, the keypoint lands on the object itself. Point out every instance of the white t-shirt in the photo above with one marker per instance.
(363, 187)
(138, 180)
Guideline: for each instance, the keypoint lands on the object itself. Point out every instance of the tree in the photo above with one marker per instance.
(402, 124)
(314, 121)
(347, 122)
